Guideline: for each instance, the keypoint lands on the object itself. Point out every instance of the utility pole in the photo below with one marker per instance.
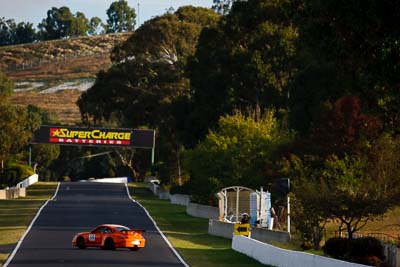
(138, 21)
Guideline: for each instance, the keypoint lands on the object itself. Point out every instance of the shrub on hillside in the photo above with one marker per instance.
(13, 173)
(365, 250)
(336, 247)
(365, 247)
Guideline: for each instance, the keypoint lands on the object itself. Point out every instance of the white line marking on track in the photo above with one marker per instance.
(158, 229)
(10, 258)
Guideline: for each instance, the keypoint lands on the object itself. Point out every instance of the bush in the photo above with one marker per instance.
(371, 261)
(183, 189)
(306, 245)
(336, 247)
(366, 246)
(13, 173)
(365, 250)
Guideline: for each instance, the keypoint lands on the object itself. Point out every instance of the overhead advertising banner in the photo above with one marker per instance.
(64, 135)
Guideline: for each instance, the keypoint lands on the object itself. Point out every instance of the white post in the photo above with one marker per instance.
(237, 204)
(288, 214)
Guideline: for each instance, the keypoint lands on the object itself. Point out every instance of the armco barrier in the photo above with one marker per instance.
(12, 193)
(180, 199)
(111, 180)
(270, 255)
(153, 188)
(222, 229)
(202, 211)
(163, 195)
(268, 236)
(28, 181)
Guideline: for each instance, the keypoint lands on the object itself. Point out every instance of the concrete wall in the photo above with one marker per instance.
(180, 199)
(268, 236)
(158, 191)
(111, 180)
(202, 211)
(153, 188)
(28, 181)
(163, 195)
(12, 193)
(222, 229)
(270, 255)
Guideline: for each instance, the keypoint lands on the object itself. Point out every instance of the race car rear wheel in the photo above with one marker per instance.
(80, 242)
(109, 244)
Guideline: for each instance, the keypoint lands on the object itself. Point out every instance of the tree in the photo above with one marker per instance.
(245, 62)
(222, 6)
(25, 33)
(7, 29)
(344, 189)
(343, 128)
(79, 25)
(16, 133)
(6, 86)
(61, 23)
(57, 24)
(95, 26)
(236, 153)
(121, 18)
(148, 76)
(346, 48)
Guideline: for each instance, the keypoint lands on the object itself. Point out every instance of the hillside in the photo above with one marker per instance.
(53, 74)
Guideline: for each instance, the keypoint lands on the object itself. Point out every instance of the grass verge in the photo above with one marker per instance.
(189, 235)
(16, 215)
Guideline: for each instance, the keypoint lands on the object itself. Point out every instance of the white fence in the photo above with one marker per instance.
(28, 181)
(111, 180)
(270, 255)
(12, 193)
(20, 189)
(202, 211)
(180, 199)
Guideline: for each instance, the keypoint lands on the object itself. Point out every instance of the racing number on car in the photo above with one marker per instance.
(92, 237)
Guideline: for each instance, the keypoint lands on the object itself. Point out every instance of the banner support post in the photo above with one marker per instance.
(30, 156)
(153, 148)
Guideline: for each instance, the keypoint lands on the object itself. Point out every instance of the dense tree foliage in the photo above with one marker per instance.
(349, 47)
(347, 189)
(148, 77)
(61, 23)
(121, 17)
(6, 86)
(235, 154)
(244, 62)
(326, 69)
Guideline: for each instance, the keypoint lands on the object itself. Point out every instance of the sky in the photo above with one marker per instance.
(35, 10)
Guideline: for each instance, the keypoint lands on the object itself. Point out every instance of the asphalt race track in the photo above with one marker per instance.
(80, 207)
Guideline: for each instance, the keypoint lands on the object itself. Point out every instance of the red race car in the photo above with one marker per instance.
(110, 236)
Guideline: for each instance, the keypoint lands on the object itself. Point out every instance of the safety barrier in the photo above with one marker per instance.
(221, 229)
(111, 180)
(202, 211)
(28, 181)
(270, 255)
(269, 236)
(11, 193)
(180, 199)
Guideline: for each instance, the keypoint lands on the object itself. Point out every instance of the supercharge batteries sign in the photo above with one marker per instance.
(62, 135)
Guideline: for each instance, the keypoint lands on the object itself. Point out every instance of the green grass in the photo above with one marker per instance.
(189, 234)
(16, 215)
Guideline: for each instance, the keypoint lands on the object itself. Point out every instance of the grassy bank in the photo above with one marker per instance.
(188, 234)
(16, 215)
